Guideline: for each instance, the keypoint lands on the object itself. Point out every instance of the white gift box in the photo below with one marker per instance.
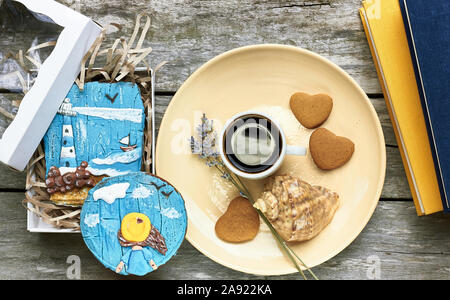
(36, 224)
(55, 78)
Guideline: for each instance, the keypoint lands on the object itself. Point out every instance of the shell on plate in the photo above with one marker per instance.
(296, 209)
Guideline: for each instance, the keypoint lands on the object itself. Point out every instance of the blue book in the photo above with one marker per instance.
(427, 24)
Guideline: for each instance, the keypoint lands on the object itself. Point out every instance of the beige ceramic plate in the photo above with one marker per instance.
(263, 78)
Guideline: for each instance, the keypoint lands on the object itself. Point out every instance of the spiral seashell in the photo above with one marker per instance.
(86, 174)
(297, 210)
(59, 181)
(69, 178)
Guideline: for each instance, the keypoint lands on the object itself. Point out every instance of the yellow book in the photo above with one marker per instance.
(383, 24)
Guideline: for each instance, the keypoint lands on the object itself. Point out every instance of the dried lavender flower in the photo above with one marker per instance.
(204, 147)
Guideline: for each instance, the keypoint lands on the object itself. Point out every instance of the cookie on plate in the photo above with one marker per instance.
(328, 150)
(311, 110)
(239, 223)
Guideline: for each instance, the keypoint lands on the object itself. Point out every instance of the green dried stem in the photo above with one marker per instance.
(206, 151)
(278, 238)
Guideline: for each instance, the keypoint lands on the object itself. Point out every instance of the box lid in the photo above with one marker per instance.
(56, 76)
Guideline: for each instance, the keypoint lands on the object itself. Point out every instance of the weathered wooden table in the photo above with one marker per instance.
(396, 244)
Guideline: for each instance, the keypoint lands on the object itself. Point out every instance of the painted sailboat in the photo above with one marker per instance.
(128, 147)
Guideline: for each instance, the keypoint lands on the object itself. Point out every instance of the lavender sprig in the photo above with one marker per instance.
(205, 148)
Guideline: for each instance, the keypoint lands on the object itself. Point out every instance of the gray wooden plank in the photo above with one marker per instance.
(11, 179)
(378, 103)
(8, 109)
(380, 107)
(396, 185)
(189, 32)
(400, 243)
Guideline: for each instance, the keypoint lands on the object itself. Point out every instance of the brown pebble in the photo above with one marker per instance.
(56, 173)
(80, 178)
(51, 190)
(59, 181)
(69, 178)
(50, 182)
(52, 172)
(80, 183)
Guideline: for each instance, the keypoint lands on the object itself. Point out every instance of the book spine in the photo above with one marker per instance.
(419, 209)
(424, 104)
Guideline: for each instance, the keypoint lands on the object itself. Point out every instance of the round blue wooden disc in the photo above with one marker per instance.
(115, 197)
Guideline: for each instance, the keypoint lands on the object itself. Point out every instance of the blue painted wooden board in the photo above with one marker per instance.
(98, 126)
(100, 219)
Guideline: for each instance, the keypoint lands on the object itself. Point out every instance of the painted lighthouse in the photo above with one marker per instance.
(89, 127)
(68, 155)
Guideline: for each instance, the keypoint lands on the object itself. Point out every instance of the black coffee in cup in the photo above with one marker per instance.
(252, 143)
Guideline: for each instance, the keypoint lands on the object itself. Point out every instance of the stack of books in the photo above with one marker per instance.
(410, 44)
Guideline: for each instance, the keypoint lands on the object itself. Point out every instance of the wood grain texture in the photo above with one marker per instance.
(11, 179)
(405, 246)
(378, 103)
(189, 32)
(395, 187)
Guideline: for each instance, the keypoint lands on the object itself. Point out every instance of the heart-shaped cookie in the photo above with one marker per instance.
(239, 223)
(328, 150)
(311, 110)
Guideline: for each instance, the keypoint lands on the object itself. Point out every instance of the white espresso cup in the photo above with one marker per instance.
(252, 145)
